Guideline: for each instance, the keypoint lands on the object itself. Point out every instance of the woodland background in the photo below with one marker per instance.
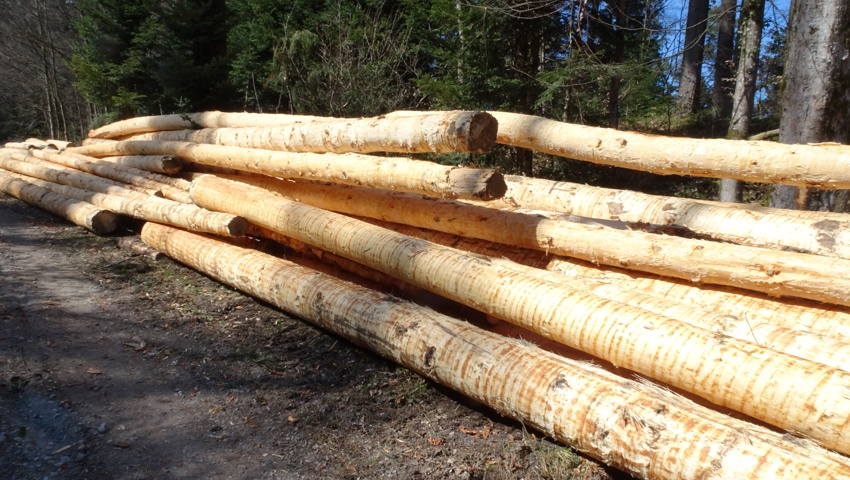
(701, 68)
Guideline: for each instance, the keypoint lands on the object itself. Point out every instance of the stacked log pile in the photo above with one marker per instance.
(652, 316)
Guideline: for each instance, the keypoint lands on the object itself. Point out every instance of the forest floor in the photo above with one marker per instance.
(117, 366)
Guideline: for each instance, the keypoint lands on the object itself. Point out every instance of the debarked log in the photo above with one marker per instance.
(808, 399)
(820, 233)
(639, 428)
(438, 132)
(182, 215)
(75, 211)
(391, 173)
(765, 162)
(773, 272)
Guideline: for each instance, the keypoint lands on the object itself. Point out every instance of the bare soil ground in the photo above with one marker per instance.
(117, 366)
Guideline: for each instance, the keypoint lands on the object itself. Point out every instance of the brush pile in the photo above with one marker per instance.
(668, 337)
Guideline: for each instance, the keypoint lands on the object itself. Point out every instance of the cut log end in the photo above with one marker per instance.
(237, 227)
(476, 184)
(477, 130)
(104, 222)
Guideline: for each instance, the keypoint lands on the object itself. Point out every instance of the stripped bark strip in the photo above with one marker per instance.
(765, 162)
(77, 212)
(783, 335)
(149, 163)
(641, 429)
(773, 272)
(33, 167)
(439, 132)
(810, 398)
(391, 173)
(194, 121)
(821, 233)
(164, 211)
(113, 172)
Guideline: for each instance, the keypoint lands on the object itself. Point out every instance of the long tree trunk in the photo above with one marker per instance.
(786, 338)
(769, 271)
(82, 186)
(692, 57)
(392, 173)
(577, 319)
(78, 212)
(815, 94)
(820, 233)
(117, 173)
(768, 162)
(721, 93)
(574, 402)
(749, 41)
(789, 314)
(439, 132)
(619, 8)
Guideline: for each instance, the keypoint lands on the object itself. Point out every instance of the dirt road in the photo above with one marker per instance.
(117, 366)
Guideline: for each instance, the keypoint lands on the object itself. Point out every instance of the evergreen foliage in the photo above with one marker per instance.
(601, 62)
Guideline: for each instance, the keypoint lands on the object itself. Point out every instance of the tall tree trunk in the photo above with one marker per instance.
(690, 82)
(619, 56)
(816, 94)
(752, 25)
(721, 94)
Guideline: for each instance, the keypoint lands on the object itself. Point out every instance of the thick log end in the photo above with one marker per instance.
(237, 227)
(476, 184)
(170, 165)
(477, 131)
(104, 222)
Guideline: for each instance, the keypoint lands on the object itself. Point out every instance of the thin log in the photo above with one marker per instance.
(659, 347)
(636, 427)
(33, 167)
(820, 233)
(151, 163)
(117, 173)
(438, 132)
(765, 162)
(27, 145)
(78, 212)
(782, 334)
(391, 173)
(181, 215)
(195, 121)
(773, 272)
(793, 314)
